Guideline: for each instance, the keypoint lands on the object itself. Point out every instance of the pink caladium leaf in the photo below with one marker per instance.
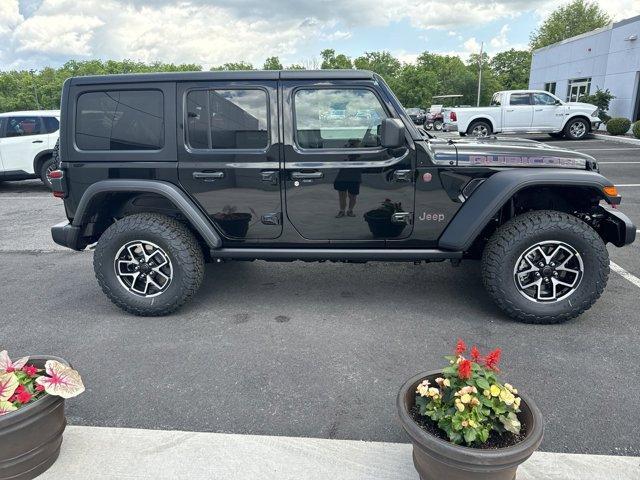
(8, 385)
(61, 380)
(6, 407)
(7, 366)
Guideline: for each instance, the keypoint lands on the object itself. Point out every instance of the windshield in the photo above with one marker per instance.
(413, 111)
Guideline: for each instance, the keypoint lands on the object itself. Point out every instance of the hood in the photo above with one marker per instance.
(512, 152)
(586, 106)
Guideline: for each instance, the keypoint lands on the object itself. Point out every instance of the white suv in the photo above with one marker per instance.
(26, 144)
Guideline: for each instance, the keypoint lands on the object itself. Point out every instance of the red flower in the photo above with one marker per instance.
(19, 390)
(39, 388)
(460, 347)
(23, 397)
(30, 370)
(475, 354)
(493, 359)
(10, 369)
(464, 369)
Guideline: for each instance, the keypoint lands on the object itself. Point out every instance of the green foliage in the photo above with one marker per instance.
(332, 61)
(272, 63)
(636, 129)
(579, 16)
(295, 66)
(468, 402)
(383, 63)
(601, 99)
(618, 126)
(233, 66)
(511, 68)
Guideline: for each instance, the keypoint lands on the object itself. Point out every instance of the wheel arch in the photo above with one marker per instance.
(497, 193)
(40, 158)
(573, 117)
(166, 198)
(481, 118)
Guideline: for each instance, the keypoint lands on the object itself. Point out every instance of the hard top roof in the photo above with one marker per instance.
(236, 75)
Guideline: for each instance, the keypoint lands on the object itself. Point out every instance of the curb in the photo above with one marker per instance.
(618, 139)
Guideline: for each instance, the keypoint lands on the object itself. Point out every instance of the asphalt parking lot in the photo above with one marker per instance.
(317, 350)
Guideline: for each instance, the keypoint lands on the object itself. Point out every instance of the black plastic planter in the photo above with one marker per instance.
(437, 459)
(30, 437)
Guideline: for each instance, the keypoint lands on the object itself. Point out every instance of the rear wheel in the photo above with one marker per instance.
(576, 129)
(148, 264)
(437, 125)
(48, 166)
(479, 128)
(545, 267)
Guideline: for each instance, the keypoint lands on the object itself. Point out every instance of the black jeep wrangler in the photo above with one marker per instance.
(169, 171)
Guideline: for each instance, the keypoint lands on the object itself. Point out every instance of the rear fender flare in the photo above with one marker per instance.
(198, 220)
(487, 199)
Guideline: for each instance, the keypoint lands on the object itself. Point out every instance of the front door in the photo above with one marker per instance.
(24, 137)
(547, 114)
(518, 113)
(340, 183)
(229, 156)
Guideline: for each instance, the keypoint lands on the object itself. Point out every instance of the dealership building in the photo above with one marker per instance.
(607, 58)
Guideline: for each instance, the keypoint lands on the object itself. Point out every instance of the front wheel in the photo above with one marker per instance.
(148, 264)
(576, 129)
(545, 267)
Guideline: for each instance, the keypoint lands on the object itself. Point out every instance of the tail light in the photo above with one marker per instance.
(453, 117)
(57, 184)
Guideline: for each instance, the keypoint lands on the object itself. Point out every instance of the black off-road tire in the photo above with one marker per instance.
(171, 236)
(46, 166)
(513, 238)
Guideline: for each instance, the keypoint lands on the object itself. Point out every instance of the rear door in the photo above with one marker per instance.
(340, 183)
(229, 154)
(518, 113)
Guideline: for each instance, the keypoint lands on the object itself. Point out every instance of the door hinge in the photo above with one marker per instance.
(271, 218)
(270, 176)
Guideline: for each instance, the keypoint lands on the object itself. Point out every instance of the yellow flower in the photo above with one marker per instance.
(495, 390)
(516, 402)
(507, 397)
(509, 387)
(472, 424)
(487, 393)
(423, 389)
(466, 398)
(433, 392)
(446, 382)
(460, 406)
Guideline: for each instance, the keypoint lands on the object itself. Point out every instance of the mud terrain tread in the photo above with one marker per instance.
(502, 242)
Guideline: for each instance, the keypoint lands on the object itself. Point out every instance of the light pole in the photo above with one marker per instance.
(35, 90)
(480, 72)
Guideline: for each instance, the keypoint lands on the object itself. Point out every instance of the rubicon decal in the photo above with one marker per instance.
(512, 161)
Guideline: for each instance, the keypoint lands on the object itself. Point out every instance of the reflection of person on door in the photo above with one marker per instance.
(347, 184)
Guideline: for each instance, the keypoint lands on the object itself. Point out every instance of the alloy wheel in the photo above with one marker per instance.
(578, 129)
(143, 268)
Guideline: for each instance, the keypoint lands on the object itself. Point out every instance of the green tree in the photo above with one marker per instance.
(490, 83)
(332, 61)
(579, 16)
(511, 68)
(272, 63)
(383, 63)
(295, 66)
(233, 66)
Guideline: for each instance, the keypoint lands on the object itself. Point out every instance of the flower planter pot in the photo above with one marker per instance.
(234, 224)
(30, 437)
(437, 459)
(380, 224)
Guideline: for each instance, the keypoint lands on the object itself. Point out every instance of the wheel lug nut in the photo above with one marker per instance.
(537, 274)
(552, 264)
(541, 264)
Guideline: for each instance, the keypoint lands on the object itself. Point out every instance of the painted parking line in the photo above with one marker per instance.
(618, 163)
(627, 184)
(624, 274)
(605, 149)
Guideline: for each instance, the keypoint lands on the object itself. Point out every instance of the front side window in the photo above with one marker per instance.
(338, 118)
(227, 119)
(24, 126)
(120, 120)
(520, 99)
(543, 99)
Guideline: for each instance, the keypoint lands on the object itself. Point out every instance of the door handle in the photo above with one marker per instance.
(269, 176)
(538, 109)
(402, 175)
(208, 176)
(306, 175)
(37, 141)
(510, 110)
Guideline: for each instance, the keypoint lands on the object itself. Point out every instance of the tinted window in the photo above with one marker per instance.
(338, 118)
(227, 119)
(120, 120)
(543, 99)
(24, 126)
(520, 99)
(51, 124)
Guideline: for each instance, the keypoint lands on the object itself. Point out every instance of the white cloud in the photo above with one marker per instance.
(9, 16)
(501, 41)
(471, 46)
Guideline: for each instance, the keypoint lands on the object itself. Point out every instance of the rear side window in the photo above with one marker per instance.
(120, 120)
(338, 118)
(520, 99)
(24, 126)
(51, 124)
(495, 100)
(227, 119)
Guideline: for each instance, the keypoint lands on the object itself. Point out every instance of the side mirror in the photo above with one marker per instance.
(557, 102)
(392, 133)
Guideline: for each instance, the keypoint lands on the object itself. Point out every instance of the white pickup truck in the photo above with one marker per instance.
(520, 111)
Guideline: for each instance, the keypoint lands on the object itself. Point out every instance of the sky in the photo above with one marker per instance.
(40, 33)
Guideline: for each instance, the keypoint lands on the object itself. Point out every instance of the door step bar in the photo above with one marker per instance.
(339, 254)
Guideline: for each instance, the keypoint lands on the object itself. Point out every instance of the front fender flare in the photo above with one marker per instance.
(489, 198)
(198, 220)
